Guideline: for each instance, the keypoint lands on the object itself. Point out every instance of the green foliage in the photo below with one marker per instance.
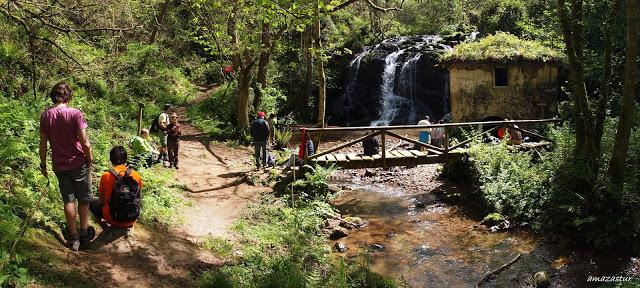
(12, 274)
(216, 115)
(160, 202)
(510, 183)
(314, 184)
(283, 246)
(221, 247)
(282, 137)
(502, 15)
(502, 48)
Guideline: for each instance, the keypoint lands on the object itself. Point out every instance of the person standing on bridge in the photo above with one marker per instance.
(260, 132)
(425, 136)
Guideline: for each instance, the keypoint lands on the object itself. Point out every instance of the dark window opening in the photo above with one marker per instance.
(501, 77)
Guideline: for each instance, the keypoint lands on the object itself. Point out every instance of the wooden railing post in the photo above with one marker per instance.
(446, 149)
(140, 113)
(384, 149)
(306, 150)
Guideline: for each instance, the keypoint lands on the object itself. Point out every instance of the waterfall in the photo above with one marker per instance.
(394, 82)
(407, 81)
(391, 102)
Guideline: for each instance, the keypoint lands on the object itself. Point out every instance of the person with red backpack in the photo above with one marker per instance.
(119, 194)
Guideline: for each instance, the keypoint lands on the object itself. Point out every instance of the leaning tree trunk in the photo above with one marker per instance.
(244, 81)
(263, 64)
(586, 148)
(621, 146)
(605, 86)
(322, 85)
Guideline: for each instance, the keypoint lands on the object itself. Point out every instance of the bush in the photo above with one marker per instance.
(216, 115)
(538, 189)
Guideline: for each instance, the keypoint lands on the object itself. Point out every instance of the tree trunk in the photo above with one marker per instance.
(308, 62)
(244, 81)
(263, 64)
(322, 85)
(621, 146)
(163, 13)
(603, 102)
(586, 152)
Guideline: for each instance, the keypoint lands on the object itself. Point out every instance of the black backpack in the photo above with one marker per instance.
(155, 127)
(125, 203)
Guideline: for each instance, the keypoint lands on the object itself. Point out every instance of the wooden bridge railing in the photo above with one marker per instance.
(443, 151)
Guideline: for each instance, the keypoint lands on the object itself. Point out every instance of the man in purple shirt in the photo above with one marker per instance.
(65, 129)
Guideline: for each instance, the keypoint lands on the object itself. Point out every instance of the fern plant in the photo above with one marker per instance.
(282, 138)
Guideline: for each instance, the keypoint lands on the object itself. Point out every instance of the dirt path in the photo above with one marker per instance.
(211, 173)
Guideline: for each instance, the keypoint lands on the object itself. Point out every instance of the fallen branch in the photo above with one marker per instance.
(370, 3)
(497, 271)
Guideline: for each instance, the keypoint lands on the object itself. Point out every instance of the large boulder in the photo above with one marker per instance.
(338, 233)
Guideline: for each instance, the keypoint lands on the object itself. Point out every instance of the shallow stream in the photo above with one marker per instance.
(418, 239)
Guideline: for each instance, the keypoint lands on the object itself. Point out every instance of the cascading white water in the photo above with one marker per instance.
(408, 82)
(390, 100)
(395, 82)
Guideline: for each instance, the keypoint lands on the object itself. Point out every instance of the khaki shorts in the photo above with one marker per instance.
(163, 138)
(75, 184)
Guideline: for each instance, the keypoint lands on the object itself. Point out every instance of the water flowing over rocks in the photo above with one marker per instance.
(396, 82)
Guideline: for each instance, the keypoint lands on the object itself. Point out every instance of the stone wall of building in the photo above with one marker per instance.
(531, 93)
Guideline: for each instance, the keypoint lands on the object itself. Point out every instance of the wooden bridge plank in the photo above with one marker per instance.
(366, 157)
(390, 155)
(331, 158)
(418, 153)
(407, 154)
(353, 156)
(341, 157)
(397, 154)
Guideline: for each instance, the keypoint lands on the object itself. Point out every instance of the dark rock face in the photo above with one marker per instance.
(338, 232)
(396, 82)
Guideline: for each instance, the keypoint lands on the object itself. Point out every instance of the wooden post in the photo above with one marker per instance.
(384, 149)
(446, 150)
(140, 114)
(306, 151)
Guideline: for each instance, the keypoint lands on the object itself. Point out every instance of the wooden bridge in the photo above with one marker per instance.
(429, 154)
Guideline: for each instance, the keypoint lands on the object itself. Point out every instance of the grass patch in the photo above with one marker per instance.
(502, 48)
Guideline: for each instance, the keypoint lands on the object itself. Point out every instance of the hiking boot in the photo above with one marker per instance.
(74, 245)
(86, 236)
(128, 233)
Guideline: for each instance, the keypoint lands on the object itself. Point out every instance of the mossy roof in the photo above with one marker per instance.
(502, 48)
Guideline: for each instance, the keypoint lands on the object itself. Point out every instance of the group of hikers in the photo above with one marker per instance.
(168, 131)
(63, 129)
(436, 135)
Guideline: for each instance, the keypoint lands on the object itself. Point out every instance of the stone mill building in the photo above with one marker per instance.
(502, 76)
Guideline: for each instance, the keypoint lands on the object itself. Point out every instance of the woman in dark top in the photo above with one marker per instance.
(173, 140)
